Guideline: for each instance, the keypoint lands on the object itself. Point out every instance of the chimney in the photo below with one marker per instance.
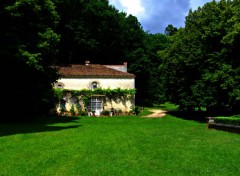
(87, 62)
(125, 66)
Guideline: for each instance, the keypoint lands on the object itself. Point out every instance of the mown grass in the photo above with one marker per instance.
(167, 106)
(128, 145)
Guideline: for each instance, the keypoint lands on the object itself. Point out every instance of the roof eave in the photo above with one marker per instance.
(95, 76)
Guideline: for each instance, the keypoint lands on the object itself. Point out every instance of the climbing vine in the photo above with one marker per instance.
(58, 94)
(106, 92)
(85, 94)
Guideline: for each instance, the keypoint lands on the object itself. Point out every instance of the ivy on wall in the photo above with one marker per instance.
(86, 94)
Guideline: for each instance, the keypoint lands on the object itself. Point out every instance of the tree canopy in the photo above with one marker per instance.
(200, 63)
(96, 31)
(195, 66)
(28, 45)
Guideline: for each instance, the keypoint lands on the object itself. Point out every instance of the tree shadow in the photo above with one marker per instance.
(224, 127)
(199, 116)
(44, 124)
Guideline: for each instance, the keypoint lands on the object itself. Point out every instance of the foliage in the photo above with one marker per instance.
(137, 110)
(228, 120)
(80, 111)
(58, 94)
(200, 67)
(170, 30)
(105, 113)
(28, 45)
(144, 64)
(87, 92)
(96, 30)
(72, 110)
(119, 111)
(62, 110)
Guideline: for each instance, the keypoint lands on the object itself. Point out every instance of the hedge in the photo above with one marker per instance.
(228, 120)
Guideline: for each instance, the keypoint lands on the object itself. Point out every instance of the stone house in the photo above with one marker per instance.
(106, 87)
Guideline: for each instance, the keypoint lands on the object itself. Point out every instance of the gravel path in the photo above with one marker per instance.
(157, 113)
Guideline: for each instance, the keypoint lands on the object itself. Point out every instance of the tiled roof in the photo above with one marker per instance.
(92, 70)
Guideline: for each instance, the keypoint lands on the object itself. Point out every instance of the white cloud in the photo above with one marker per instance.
(133, 7)
(155, 15)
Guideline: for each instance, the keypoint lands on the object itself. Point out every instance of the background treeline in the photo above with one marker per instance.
(201, 65)
(195, 67)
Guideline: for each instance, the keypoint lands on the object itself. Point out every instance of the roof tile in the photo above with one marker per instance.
(92, 70)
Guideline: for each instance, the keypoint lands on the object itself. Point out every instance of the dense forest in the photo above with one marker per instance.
(194, 67)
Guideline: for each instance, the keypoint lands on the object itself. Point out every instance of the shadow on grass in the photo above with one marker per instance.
(199, 116)
(44, 124)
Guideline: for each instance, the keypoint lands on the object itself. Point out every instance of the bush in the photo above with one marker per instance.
(119, 112)
(80, 111)
(228, 120)
(137, 110)
(72, 110)
(62, 110)
(105, 113)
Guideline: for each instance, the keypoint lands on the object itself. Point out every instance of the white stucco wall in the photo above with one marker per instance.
(104, 83)
(124, 105)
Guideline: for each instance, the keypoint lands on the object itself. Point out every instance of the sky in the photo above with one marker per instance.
(156, 15)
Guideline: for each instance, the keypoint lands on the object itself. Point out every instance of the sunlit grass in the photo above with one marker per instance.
(167, 106)
(126, 145)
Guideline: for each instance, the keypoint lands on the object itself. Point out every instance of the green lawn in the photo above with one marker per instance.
(112, 146)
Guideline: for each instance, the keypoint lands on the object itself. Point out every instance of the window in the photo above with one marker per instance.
(59, 85)
(96, 103)
(94, 85)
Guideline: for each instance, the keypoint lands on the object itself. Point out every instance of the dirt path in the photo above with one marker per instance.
(157, 113)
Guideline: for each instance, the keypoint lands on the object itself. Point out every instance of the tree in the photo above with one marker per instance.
(145, 62)
(28, 45)
(200, 64)
(96, 31)
(170, 30)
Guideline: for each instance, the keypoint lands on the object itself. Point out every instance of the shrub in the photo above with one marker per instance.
(80, 111)
(137, 110)
(72, 110)
(62, 110)
(119, 112)
(105, 113)
(228, 120)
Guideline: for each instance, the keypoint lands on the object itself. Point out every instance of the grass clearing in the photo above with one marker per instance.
(167, 106)
(126, 145)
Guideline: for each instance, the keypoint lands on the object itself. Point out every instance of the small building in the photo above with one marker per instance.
(96, 88)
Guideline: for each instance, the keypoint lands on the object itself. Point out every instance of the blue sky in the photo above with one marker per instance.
(155, 15)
